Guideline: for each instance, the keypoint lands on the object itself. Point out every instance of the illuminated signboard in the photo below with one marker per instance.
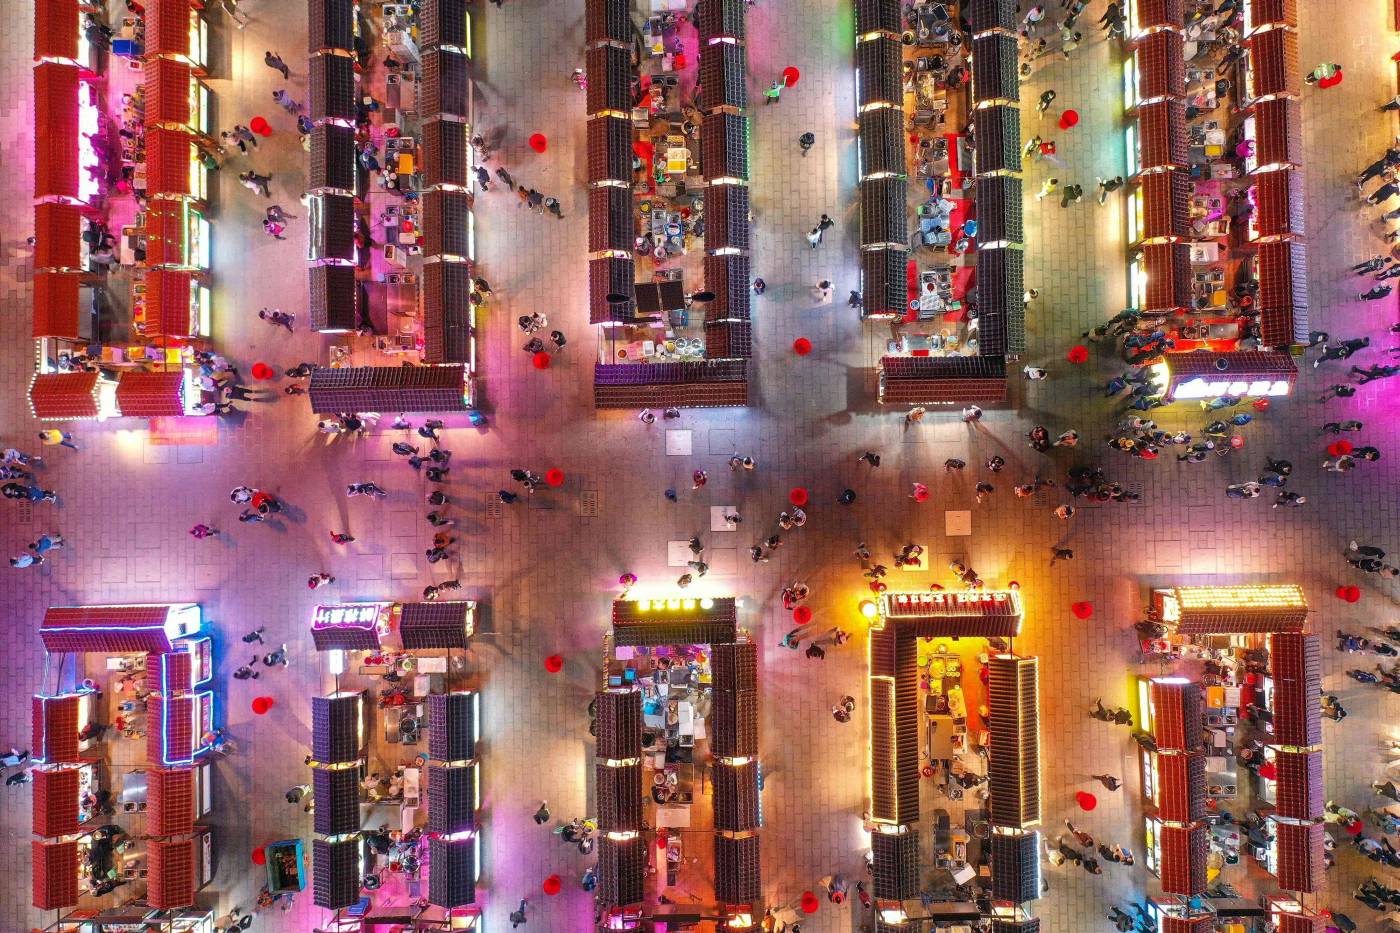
(353, 615)
(896, 605)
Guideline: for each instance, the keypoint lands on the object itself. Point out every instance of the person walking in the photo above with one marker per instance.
(1107, 780)
(51, 437)
(1108, 187)
(274, 61)
(201, 531)
(255, 182)
(1046, 99)
(806, 141)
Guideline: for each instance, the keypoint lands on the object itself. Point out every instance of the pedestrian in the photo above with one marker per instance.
(774, 93)
(806, 141)
(870, 457)
(276, 64)
(1107, 780)
(1046, 99)
(53, 437)
(1062, 553)
(915, 414)
(759, 286)
(1071, 195)
(699, 478)
(342, 537)
(1034, 373)
(1107, 187)
(255, 182)
(971, 414)
(517, 916)
(318, 580)
(815, 652)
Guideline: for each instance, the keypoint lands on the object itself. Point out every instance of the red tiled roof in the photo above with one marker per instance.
(56, 305)
(168, 27)
(170, 733)
(167, 92)
(1184, 859)
(60, 396)
(169, 672)
(167, 162)
(1300, 855)
(54, 722)
(1273, 13)
(119, 629)
(1278, 200)
(55, 801)
(1277, 132)
(1162, 134)
(1168, 268)
(165, 232)
(56, 29)
(1300, 923)
(170, 879)
(1166, 200)
(170, 802)
(1181, 792)
(54, 866)
(1273, 59)
(168, 303)
(55, 130)
(1283, 293)
(1153, 13)
(1300, 787)
(151, 395)
(57, 235)
(1161, 70)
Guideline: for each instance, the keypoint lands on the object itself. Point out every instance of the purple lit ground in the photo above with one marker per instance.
(544, 573)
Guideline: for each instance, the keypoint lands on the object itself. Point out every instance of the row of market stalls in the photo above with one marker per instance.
(1184, 772)
(365, 757)
(951, 290)
(680, 691)
(161, 255)
(649, 150)
(1215, 215)
(899, 681)
(87, 791)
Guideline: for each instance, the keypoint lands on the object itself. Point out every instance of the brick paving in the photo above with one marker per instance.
(545, 574)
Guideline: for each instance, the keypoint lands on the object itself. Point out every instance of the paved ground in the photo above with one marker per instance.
(545, 574)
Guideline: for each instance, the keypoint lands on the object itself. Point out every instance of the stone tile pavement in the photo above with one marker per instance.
(545, 572)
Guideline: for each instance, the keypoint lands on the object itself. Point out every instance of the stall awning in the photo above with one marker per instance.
(170, 802)
(1001, 309)
(607, 21)
(409, 389)
(334, 299)
(1181, 790)
(170, 672)
(446, 227)
(881, 140)
(609, 79)
(151, 395)
(723, 75)
(1264, 13)
(169, 312)
(170, 736)
(54, 868)
(738, 869)
(999, 210)
(611, 225)
(1166, 204)
(997, 132)
(337, 728)
(332, 25)
(1201, 923)
(1183, 862)
(56, 306)
(1013, 722)
(331, 82)
(645, 622)
(1162, 134)
(167, 223)
(1016, 867)
(729, 277)
(879, 72)
(54, 728)
(115, 629)
(1300, 855)
(56, 130)
(332, 160)
(726, 217)
(1278, 200)
(1300, 790)
(452, 730)
(63, 396)
(168, 28)
(894, 737)
(447, 312)
(56, 27)
(55, 801)
(896, 865)
(335, 873)
(1295, 662)
(1177, 721)
(884, 211)
(443, 22)
(337, 795)
(982, 15)
(619, 734)
(452, 793)
(884, 283)
(167, 91)
(346, 636)
(426, 626)
(170, 878)
(611, 275)
(994, 64)
(446, 85)
(1160, 66)
(1283, 293)
(1300, 923)
(920, 380)
(168, 162)
(735, 796)
(1273, 61)
(724, 146)
(728, 340)
(720, 19)
(332, 224)
(452, 872)
(621, 871)
(734, 733)
(1278, 137)
(57, 235)
(704, 384)
(1168, 270)
(447, 153)
(1152, 14)
(610, 150)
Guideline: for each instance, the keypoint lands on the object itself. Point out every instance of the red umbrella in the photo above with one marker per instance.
(920, 492)
(554, 663)
(1332, 449)
(262, 704)
(802, 346)
(1333, 81)
(810, 902)
(1353, 594)
(797, 495)
(643, 149)
(554, 477)
(259, 856)
(552, 885)
(791, 76)
(802, 615)
(1078, 354)
(1082, 610)
(262, 371)
(1352, 826)
(540, 360)
(1086, 800)
(1344, 446)
(538, 142)
(1268, 771)
(260, 126)
(1068, 119)
(1237, 442)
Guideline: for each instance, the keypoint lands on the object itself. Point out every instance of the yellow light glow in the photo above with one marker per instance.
(1251, 596)
(869, 609)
